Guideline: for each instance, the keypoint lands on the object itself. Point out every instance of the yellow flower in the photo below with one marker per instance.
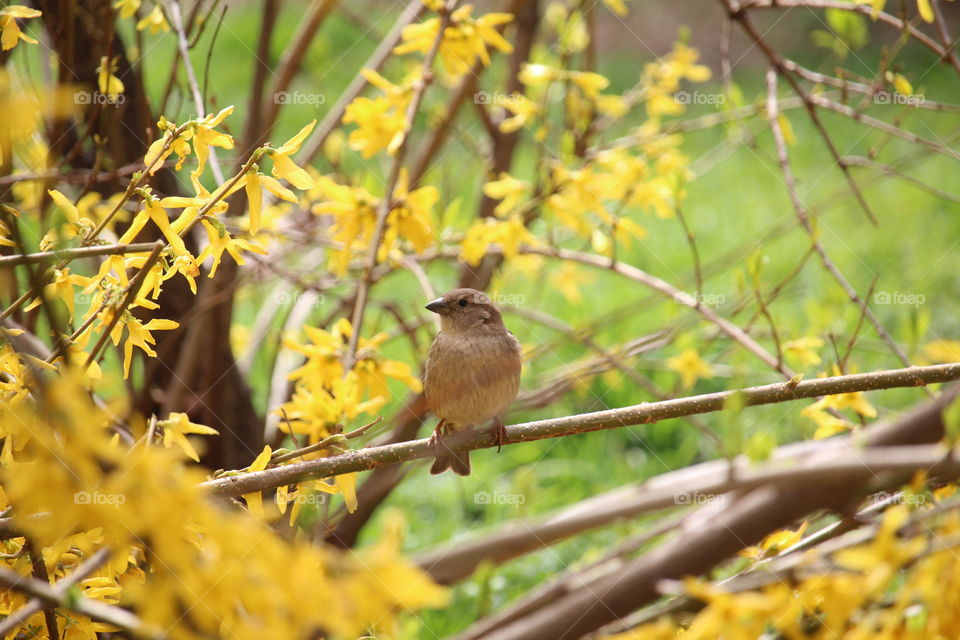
(465, 39)
(61, 286)
(220, 241)
(567, 280)
(284, 167)
(508, 190)
(804, 350)
(410, 217)
(155, 212)
(522, 109)
(138, 335)
(944, 351)
(107, 82)
(690, 367)
(380, 125)
(617, 6)
(508, 234)
(127, 7)
(154, 21)
(886, 553)
(206, 136)
(354, 212)
(11, 30)
(175, 430)
(255, 500)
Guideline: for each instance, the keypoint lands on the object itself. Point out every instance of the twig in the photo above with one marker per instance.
(71, 254)
(864, 9)
(739, 14)
(131, 293)
(40, 573)
(323, 444)
(671, 292)
(387, 203)
(91, 608)
(21, 615)
(804, 219)
(332, 120)
(192, 80)
(644, 413)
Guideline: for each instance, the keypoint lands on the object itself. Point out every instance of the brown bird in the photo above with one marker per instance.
(473, 371)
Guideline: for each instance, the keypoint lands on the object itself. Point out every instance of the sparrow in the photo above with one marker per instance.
(472, 373)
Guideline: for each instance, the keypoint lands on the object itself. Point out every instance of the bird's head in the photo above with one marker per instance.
(466, 310)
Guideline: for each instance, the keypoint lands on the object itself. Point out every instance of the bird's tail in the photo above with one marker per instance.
(459, 461)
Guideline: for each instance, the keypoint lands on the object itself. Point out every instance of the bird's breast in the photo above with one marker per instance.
(470, 380)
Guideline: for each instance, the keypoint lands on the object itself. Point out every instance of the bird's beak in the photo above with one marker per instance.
(438, 306)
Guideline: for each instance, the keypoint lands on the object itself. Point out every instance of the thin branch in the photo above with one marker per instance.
(93, 609)
(731, 330)
(192, 80)
(131, 294)
(332, 120)
(645, 413)
(804, 219)
(21, 615)
(739, 14)
(386, 204)
(863, 9)
(860, 161)
(79, 252)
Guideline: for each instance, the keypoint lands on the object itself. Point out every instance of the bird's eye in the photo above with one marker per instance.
(462, 303)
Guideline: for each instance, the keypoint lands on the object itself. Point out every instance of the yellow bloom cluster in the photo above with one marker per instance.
(897, 585)
(189, 566)
(465, 40)
(324, 396)
(353, 211)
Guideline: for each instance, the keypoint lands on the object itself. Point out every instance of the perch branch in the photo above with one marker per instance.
(645, 413)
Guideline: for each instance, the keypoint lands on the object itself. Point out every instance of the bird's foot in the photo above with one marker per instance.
(440, 430)
(499, 433)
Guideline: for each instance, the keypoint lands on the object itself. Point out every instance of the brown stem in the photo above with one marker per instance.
(645, 413)
(79, 252)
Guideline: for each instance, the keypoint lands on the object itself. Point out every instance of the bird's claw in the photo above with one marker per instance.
(440, 430)
(499, 433)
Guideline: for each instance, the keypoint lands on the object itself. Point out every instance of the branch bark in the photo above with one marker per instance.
(644, 413)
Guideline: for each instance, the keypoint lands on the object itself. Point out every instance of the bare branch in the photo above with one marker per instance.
(645, 413)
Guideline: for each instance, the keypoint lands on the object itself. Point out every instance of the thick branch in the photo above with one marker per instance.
(643, 413)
